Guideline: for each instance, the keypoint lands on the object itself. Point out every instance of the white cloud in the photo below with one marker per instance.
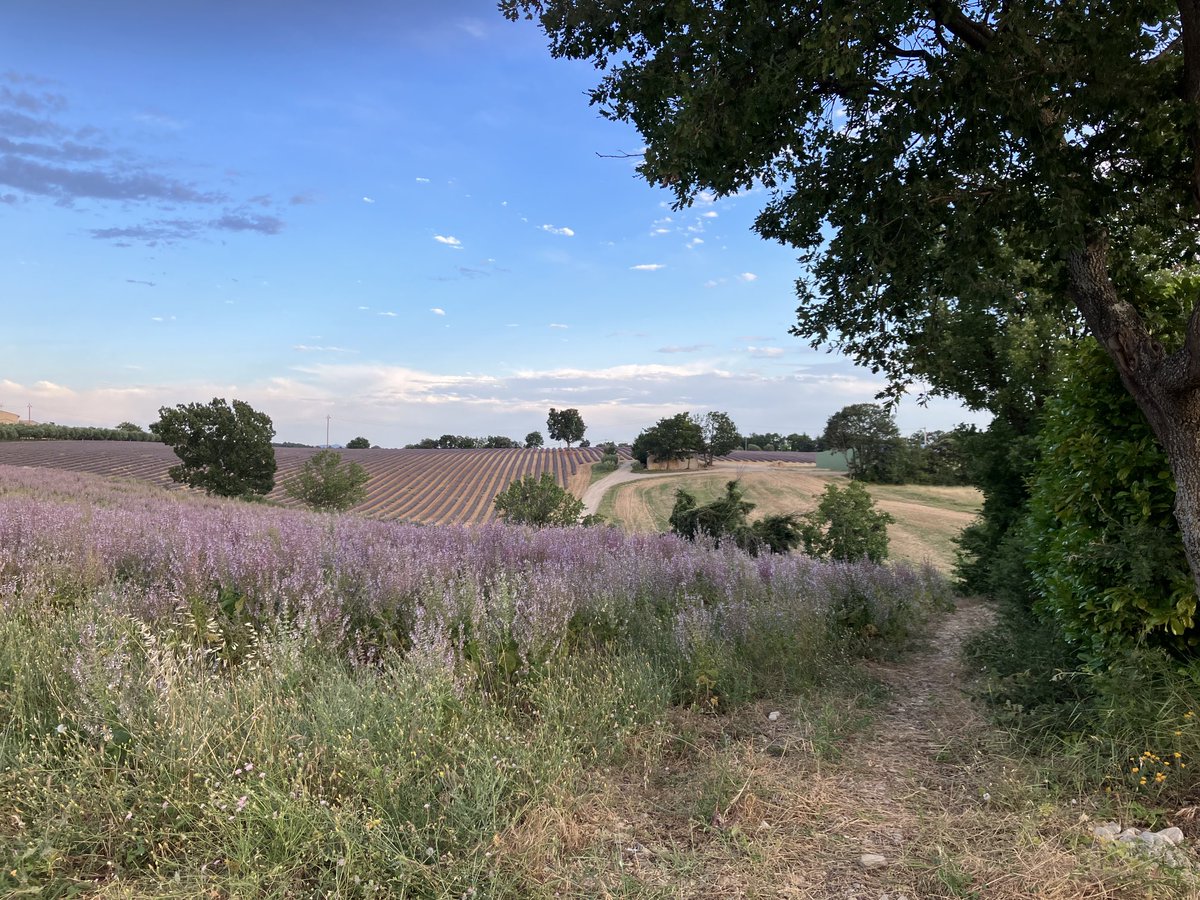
(421, 180)
(661, 231)
(449, 240)
(748, 277)
(437, 310)
(364, 307)
(765, 352)
(310, 348)
(367, 200)
(647, 267)
(564, 231)
(558, 325)
(695, 242)
(389, 314)
(711, 214)
(714, 282)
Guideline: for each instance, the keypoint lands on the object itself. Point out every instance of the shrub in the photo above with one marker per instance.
(540, 502)
(846, 526)
(326, 484)
(1106, 554)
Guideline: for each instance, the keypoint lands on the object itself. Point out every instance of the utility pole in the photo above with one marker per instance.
(29, 413)
(327, 418)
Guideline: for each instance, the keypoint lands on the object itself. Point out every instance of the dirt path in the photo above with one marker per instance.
(792, 800)
(593, 496)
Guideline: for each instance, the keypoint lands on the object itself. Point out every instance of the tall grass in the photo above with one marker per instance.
(202, 698)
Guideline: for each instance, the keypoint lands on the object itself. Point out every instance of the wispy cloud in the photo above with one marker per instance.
(711, 214)
(748, 277)
(449, 240)
(421, 180)
(648, 267)
(437, 310)
(558, 325)
(564, 231)
(368, 199)
(765, 352)
(388, 314)
(686, 348)
(309, 348)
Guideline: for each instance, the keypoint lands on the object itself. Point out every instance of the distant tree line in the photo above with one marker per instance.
(879, 454)
(126, 431)
(466, 442)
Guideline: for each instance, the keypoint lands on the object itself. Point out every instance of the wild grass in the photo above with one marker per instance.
(206, 699)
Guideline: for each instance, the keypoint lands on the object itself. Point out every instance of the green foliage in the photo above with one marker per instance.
(539, 502)
(672, 438)
(565, 425)
(1108, 559)
(358, 443)
(869, 432)
(325, 483)
(726, 518)
(718, 435)
(22, 431)
(846, 526)
(223, 449)
(499, 442)
(534, 439)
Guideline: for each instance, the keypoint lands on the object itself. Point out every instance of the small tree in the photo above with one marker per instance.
(539, 502)
(225, 450)
(358, 443)
(565, 425)
(846, 526)
(131, 427)
(325, 483)
(534, 439)
(726, 518)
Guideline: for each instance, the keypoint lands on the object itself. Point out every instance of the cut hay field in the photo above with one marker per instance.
(928, 517)
(435, 487)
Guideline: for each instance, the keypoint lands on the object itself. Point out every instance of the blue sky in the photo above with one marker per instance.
(389, 213)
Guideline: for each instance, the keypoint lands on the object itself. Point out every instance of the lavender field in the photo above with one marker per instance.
(201, 695)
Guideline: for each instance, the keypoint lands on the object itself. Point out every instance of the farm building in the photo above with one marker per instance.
(8, 418)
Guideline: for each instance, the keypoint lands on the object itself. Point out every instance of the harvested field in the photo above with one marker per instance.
(928, 517)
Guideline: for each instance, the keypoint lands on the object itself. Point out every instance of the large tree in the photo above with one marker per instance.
(869, 433)
(565, 425)
(223, 449)
(718, 435)
(669, 439)
(965, 181)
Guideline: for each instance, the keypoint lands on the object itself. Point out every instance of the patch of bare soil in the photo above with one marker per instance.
(916, 798)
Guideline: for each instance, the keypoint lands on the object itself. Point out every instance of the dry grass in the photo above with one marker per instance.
(742, 807)
(928, 518)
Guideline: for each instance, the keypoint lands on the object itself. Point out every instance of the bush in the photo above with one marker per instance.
(538, 502)
(846, 526)
(1106, 554)
(325, 483)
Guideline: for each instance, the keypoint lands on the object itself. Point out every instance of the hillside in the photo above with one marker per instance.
(436, 487)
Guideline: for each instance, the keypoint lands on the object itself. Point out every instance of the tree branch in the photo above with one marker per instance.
(974, 34)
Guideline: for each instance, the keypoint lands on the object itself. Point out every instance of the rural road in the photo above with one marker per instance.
(624, 472)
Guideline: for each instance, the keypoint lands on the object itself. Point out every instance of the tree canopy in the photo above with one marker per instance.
(670, 438)
(869, 433)
(565, 425)
(358, 443)
(718, 435)
(534, 439)
(966, 183)
(223, 449)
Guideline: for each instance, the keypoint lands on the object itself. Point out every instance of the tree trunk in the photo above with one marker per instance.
(1166, 387)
